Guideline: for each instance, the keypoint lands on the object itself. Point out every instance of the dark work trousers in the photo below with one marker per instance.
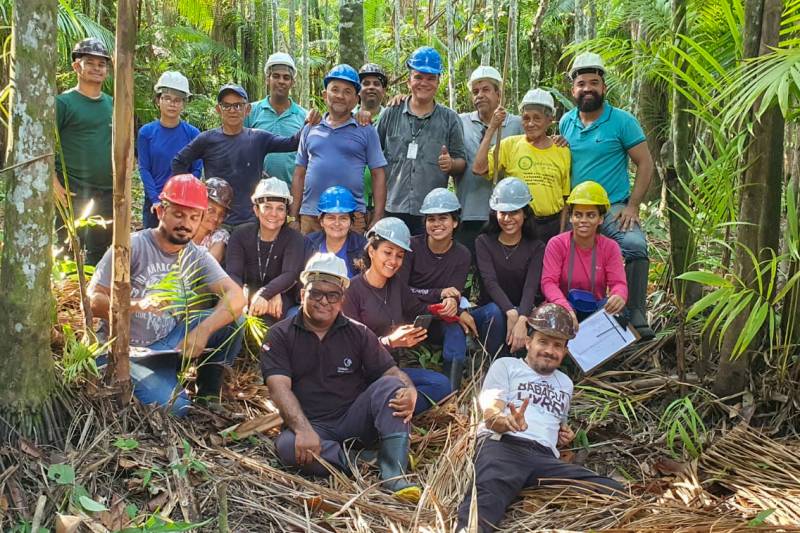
(149, 219)
(367, 418)
(415, 223)
(547, 227)
(97, 239)
(503, 468)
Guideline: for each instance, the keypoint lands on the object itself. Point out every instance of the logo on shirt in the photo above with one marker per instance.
(525, 163)
(544, 396)
(346, 367)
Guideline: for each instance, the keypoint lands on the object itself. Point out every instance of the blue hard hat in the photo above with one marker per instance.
(343, 72)
(336, 199)
(425, 59)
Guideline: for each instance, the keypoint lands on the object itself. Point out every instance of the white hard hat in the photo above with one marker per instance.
(325, 266)
(440, 200)
(587, 61)
(485, 72)
(173, 80)
(510, 194)
(272, 188)
(538, 97)
(280, 58)
(393, 230)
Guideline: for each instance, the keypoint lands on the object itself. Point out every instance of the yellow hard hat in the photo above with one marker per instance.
(589, 193)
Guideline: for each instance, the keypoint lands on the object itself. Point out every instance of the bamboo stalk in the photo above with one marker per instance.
(496, 175)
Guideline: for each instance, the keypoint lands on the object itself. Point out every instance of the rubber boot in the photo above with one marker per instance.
(636, 272)
(455, 373)
(210, 377)
(393, 465)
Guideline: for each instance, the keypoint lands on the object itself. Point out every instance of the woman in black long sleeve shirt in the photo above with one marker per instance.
(267, 256)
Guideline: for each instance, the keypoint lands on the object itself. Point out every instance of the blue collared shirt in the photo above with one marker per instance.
(337, 156)
(600, 150)
(263, 117)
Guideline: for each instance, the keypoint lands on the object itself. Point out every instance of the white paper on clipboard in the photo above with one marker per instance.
(599, 338)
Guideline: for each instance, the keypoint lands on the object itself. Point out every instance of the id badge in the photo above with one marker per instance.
(413, 147)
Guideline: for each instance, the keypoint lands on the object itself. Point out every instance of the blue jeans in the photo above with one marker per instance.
(491, 323)
(632, 242)
(452, 338)
(431, 386)
(149, 219)
(155, 379)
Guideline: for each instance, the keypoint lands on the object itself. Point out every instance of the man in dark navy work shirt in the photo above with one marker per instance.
(332, 380)
(236, 152)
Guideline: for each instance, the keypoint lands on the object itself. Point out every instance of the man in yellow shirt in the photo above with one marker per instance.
(533, 158)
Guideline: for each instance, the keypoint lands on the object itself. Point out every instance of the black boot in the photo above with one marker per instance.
(636, 271)
(393, 463)
(455, 373)
(210, 377)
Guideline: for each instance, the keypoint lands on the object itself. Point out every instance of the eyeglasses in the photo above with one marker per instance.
(332, 297)
(238, 106)
(589, 215)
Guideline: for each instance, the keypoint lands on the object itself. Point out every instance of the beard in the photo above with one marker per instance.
(589, 105)
(173, 237)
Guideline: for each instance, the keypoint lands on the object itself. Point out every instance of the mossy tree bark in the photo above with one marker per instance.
(27, 380)
(352, 49)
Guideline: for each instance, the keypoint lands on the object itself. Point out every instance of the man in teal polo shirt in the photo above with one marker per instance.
(601, 138)
(277, 113)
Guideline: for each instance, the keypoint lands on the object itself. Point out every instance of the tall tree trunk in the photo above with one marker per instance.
(26, 364)
(513, 19)
(398, 22)
(118, 372)
(351, 33)
(306, 65)
(682, 247)
(764, 168)
(451, 68)
(273, 17)
(292, 26)
(535, 40)
(581, 32)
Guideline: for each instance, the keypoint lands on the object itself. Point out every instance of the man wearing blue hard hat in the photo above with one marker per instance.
(423, 141)
(335, 152)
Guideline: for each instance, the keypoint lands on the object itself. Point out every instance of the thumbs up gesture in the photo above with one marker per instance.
(445, 161)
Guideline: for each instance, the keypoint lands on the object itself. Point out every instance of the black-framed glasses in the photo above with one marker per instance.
(332, 297)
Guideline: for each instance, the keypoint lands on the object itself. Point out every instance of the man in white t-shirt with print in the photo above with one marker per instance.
(525, 404)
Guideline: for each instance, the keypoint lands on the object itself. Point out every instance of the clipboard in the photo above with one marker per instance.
(600, 337)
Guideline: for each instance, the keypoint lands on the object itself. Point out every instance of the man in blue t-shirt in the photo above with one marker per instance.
(335, 152)
(158, 141)
(601, 139)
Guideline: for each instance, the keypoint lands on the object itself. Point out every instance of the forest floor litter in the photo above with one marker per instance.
(139, 469)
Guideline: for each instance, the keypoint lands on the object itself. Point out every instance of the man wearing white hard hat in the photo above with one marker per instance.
(333, 381)
(535, 159)
(473, 191)
(160, 140)
(602, 140)
(278, 113)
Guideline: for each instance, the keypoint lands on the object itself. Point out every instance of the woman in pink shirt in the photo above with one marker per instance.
(583, 270)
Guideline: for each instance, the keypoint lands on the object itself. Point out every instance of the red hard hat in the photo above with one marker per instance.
(185, 190)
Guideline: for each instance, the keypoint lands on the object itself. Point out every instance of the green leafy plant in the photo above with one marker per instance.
(427, 357)
(684, 426)
(79, 358)
(189, 462)
(126, 444)
(155, 523)
(602, 403)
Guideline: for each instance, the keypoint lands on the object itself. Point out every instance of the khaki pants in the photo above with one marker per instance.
(310, 224)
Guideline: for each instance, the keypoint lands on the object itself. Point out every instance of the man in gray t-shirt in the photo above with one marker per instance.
(169, 272)
(485, 85)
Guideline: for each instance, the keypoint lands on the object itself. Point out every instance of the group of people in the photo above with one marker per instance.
(340, 231)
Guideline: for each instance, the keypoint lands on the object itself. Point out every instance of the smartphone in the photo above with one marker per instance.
(423, 321)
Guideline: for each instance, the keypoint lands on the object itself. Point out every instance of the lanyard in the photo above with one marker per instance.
(262, 274)
(572, 263)
(425, 121)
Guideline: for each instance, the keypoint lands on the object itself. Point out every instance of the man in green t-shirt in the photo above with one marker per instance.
(83, 117)
(373, 89)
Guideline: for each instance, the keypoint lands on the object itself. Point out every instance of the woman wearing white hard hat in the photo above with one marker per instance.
(383, 302)
(509, 257)
(158, 141)
(267, 256)
(534, 158)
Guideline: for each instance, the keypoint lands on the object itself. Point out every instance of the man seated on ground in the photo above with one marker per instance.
(155, 323)
(332, 381)
(525, 404)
